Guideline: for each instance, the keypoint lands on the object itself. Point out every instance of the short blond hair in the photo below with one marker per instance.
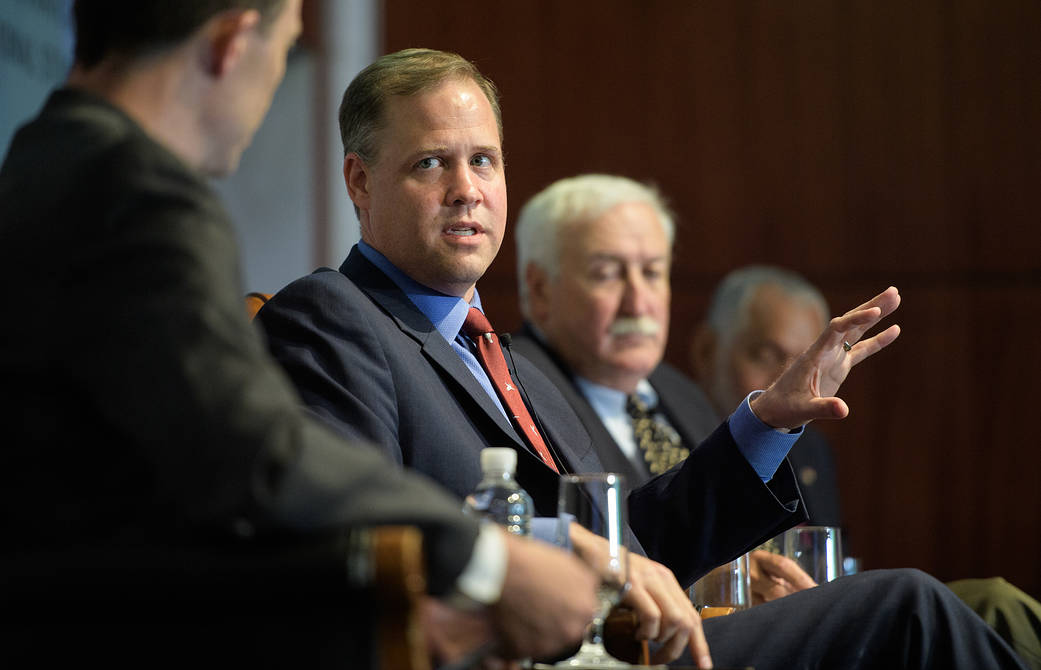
(403, 73)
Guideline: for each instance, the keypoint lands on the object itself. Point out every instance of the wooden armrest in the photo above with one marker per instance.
(400, 580)
(620, 637)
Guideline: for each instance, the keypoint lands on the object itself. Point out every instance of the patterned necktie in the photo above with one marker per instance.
(659, 442)
(478, 329)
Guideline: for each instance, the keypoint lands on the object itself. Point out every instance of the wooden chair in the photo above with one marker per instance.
(254, 301)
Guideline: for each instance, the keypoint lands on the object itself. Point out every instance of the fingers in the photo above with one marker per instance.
(775, 576)
(887, 301)
(875, 344)
(647, 611)
(782, 567)
(771, 589)
(805, 390)
(853, 324)
(664, 611)
(831, 407)
(699, 647)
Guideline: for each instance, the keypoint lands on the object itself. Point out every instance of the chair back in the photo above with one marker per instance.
(254, 301)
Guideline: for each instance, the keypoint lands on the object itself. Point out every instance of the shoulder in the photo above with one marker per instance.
(665, 376)
(527, 345)
(323, 301)
(96, 159)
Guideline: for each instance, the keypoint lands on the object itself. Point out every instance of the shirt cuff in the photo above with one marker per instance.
(763, 446)
(548, 529)
(481, 581)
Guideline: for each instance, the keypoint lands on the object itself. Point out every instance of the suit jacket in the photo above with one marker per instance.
(366, 360)
(814, 464)
(140, 410)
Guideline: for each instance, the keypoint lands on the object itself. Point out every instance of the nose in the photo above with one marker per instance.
(462, 188)
(635, 294)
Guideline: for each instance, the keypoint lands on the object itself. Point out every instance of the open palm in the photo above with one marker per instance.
(806, 389)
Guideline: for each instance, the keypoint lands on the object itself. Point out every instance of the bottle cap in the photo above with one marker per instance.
(500, 459)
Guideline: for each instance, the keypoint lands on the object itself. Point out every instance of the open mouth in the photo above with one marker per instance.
(463, 229)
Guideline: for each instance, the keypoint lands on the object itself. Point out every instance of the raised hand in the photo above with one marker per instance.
(805, 390)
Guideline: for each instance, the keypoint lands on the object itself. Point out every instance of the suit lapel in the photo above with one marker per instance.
(413, 323)
(608, 456)
(685, 405)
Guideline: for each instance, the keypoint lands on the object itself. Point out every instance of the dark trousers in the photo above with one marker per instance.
(879, 619)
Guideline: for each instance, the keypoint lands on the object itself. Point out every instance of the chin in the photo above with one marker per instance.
(221, 166)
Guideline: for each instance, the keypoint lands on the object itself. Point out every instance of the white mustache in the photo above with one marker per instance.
(639, 325)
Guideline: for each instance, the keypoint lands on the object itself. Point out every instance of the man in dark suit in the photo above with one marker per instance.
(759, 318)
(387, 349)
(160, 473)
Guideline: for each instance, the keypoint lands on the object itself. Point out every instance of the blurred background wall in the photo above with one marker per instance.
(862, 143)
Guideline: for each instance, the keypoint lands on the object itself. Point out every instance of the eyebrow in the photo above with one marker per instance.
(600, 256)
(444, 149)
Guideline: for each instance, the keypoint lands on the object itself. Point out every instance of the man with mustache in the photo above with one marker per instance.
(395, 348)
(758, 319)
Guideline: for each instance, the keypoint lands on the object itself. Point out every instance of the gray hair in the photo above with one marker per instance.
(729, 305)
(570, 201)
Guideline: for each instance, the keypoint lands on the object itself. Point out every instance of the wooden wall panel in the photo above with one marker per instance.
(863, 143)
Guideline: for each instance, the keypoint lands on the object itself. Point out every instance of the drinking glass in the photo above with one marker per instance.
(724, 590)
(817, 550)
(597, 503)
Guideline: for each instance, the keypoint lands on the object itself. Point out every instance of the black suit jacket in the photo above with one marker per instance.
(141, 414)
(366, 360)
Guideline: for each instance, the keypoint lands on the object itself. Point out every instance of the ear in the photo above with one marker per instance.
(356, 177)
(227, 35)
(538, 284)
(703, 351)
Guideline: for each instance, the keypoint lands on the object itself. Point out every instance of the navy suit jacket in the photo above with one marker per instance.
(692, 415)
(368, 362)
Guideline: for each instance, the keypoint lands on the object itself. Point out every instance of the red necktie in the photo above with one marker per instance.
(489, 353)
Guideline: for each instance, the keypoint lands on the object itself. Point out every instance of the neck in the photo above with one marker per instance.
(157, 93)
(620, 381)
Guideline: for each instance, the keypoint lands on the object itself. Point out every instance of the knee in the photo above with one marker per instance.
(985, 593)
(909, 585)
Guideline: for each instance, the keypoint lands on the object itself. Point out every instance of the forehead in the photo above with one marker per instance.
(444, 112)
(776, 315)
(630, 230)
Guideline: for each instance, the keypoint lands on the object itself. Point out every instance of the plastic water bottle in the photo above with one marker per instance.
(499, 497)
